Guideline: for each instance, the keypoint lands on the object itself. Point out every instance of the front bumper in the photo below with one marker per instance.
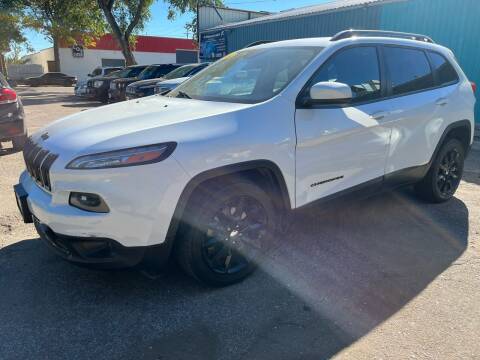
(139, 215)
(98, 252)
(115, 95)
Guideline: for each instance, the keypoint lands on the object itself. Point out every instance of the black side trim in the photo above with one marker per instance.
(217, 172)
(406, 176)
(359, 191)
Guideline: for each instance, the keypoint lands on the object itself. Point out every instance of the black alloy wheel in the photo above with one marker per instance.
(443, 177)
(234, 235)
(228, 229)
(449, 173)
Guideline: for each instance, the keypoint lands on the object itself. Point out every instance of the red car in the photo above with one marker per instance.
(12, 126)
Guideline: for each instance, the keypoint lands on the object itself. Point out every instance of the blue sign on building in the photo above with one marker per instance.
(213, 46)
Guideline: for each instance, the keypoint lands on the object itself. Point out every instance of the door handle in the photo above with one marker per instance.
(441, 101)
(379, 115)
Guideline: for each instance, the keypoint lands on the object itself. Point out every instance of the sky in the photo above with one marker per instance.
(159, 25)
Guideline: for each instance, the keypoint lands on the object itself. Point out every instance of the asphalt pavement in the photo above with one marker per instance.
(388, 277)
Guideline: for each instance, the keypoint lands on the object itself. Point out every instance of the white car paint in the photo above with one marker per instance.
(307, 145)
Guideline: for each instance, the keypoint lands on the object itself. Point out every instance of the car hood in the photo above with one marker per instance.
(125, 80)
(101, 77)
(174, 81)
(145, 82)
(133, 123)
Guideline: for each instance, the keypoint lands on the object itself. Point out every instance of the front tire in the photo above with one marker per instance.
(227, 230)
(443, 177)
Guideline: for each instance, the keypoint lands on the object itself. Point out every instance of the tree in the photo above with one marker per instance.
(125, 18)
(10, 30)
(183, 6)
(66, 21)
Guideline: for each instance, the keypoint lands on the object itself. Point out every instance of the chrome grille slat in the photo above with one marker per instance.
(38, 162)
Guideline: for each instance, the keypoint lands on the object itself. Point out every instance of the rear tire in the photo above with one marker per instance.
(445, 173)
(227, 230)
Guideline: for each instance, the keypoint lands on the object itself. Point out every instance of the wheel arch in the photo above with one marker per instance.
(264, 170)
(461, 130)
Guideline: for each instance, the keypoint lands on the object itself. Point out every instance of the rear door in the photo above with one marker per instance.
(421, 84)
(341, 145)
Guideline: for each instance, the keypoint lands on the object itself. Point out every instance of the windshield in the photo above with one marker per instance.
(134, 71)
(180, 72)
(115, 73)
(155, 71)
(248, 76)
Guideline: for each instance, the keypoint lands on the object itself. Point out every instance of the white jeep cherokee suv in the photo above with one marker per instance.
(208, 172)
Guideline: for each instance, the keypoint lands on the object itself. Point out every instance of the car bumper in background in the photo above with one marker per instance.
(115, 95)
(11, 129)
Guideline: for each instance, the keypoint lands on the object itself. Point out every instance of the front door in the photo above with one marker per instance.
(340, 146)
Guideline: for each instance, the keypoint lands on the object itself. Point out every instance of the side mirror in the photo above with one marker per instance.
(329, 91)
(89, 75)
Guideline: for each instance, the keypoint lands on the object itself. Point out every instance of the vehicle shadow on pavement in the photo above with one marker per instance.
(43, 97)
(471, 172)
(341, 270)
(7, 151)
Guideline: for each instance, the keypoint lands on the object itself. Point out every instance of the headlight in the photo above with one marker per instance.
(97, 83)
(127, 157)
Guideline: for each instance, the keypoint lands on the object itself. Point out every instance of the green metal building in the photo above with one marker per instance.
(452, 23)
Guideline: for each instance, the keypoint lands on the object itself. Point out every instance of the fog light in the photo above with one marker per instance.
(88, 202)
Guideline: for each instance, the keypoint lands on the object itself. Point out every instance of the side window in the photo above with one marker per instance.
(408, 69)
(357, 67)
(444, 72)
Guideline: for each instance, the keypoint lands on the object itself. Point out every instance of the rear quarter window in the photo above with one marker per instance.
(408, 69)
(445, 73)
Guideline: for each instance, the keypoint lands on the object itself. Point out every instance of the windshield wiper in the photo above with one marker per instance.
(182, 94)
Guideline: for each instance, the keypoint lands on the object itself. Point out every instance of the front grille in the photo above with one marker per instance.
(38, 162)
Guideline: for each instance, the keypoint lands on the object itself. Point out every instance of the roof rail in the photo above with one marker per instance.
(379, 33)
(256, 43)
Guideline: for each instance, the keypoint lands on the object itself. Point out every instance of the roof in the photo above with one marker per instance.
(305, 11)
(155, 44)
(318, 41)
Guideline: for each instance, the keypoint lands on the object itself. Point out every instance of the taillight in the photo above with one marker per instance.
(474, 86)
(7, 96)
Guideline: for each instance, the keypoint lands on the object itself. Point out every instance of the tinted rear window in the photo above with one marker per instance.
(409, 70)
(444, 72)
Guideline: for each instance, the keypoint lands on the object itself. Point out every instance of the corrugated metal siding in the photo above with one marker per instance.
(209, 17)
(452, 23)
(307, 26)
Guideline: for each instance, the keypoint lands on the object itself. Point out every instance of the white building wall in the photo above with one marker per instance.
(92, 58)
(40, 58)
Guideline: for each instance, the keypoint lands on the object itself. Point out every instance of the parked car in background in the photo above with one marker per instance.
(104, 70)
(147, 87)
(82, 86)
(117, 91)
(97, 87)
(51, 78)
(12, 125)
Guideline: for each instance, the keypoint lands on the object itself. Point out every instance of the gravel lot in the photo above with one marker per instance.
(382, 278)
